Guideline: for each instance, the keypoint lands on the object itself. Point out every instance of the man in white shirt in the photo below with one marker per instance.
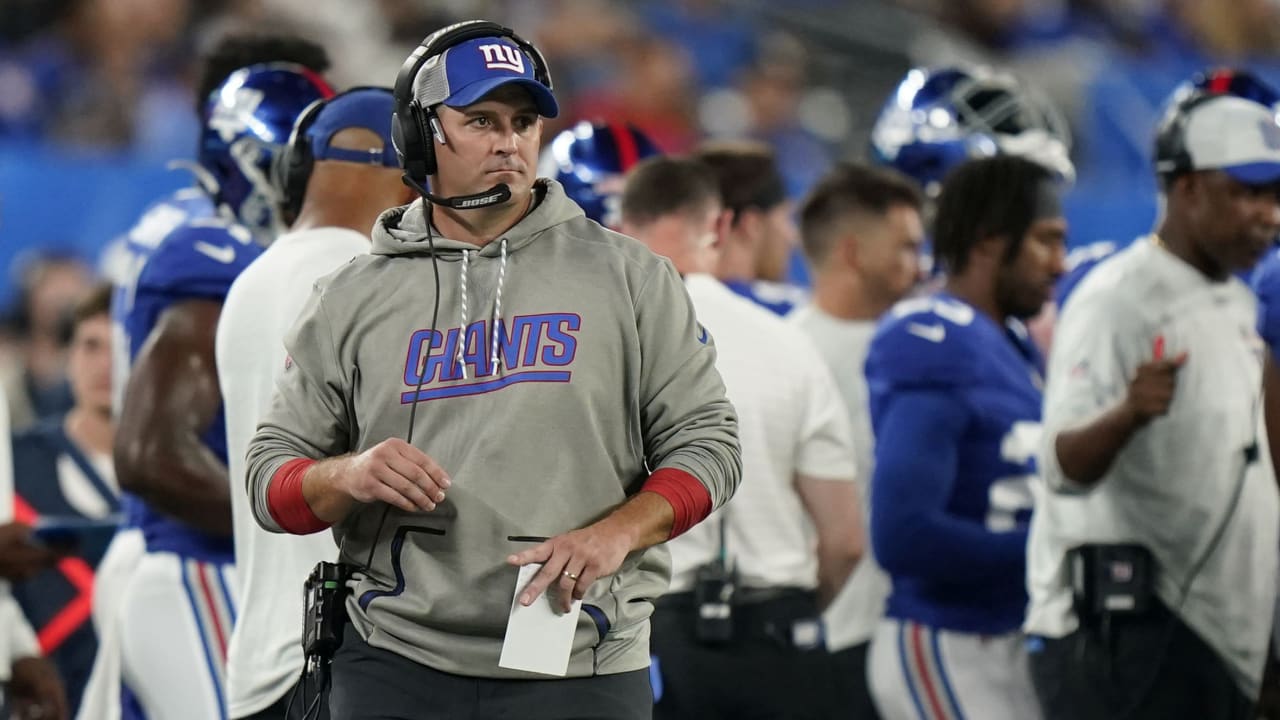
(757, 242)
(790, 537)
(862, 235)
(337, 174)
(1159, 492)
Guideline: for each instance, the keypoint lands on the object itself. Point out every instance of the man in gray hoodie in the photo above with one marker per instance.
(501, 383)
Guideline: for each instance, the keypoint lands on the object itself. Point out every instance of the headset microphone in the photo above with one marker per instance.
(495, 195)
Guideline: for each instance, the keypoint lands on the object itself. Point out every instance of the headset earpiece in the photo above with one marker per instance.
(436, 130)
(291, 168)
(1172, 156)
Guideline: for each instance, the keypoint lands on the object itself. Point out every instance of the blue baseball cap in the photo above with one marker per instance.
(366, 108)
(466, 72)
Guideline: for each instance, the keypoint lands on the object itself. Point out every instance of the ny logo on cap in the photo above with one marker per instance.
(503, 57)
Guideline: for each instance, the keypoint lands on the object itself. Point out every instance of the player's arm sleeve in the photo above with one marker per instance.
(690, 429)
(1097, 346)
(309, 416)
(912, 532)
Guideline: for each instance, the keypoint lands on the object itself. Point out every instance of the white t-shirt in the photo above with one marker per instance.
(1170, 488)
(265, 654)
(851, 619)
(790, 422)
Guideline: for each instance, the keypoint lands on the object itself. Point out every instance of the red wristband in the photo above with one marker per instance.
(286, 503)
(688, 497)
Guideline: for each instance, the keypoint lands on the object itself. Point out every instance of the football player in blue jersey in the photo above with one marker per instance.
(590, 162)
(170, 449)
(937, 118)
(955, 392)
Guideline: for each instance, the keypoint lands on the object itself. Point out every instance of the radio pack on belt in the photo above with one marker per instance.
(714, 588)
(325, 612)
(713, 591)
(1111, 580)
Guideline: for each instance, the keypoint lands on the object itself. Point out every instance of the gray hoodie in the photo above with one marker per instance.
(598, 374)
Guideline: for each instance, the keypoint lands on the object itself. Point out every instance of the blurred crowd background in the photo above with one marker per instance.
(95, 96)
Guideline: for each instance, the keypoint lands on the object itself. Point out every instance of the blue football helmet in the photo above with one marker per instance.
(937, 118)
(247, 122)
(590, 161)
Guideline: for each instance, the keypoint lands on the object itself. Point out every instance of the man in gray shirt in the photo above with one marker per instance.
(1152, 557)
(559, 405)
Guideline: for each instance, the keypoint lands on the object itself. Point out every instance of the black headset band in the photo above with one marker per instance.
(1172, 157)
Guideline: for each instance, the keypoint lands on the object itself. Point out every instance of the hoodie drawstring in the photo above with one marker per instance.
(494, 362)
(497, 308)
(462, 317)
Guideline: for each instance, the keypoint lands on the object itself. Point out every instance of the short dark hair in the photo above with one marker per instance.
(847, 190)
(747, 172)
(96, 302)
(987, 197)
(659, 186)
(242, 50)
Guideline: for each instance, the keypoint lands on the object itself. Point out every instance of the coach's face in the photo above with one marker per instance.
(1236, 223)
(493, 141)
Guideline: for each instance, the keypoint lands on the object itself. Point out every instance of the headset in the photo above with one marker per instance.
(1171, 154)
(413, 126)
(291, 169)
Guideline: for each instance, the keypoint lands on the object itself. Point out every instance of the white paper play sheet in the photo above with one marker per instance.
(539, 637)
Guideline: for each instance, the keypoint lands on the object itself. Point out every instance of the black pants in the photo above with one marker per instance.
(374, 684)
(760, 675)
(849, 693)
(302, 702)
(1153, 667)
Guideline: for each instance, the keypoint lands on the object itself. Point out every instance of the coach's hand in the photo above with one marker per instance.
(576, 559)
(1152, 389)
(396, 473)
(21, 557)
(393, 472)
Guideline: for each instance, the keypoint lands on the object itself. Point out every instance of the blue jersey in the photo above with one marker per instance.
(955, 405)
(1266, 284)
(1080, 261)
(778, 298)
(180, 250)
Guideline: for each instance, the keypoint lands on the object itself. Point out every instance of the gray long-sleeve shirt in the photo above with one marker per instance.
(602, 374)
